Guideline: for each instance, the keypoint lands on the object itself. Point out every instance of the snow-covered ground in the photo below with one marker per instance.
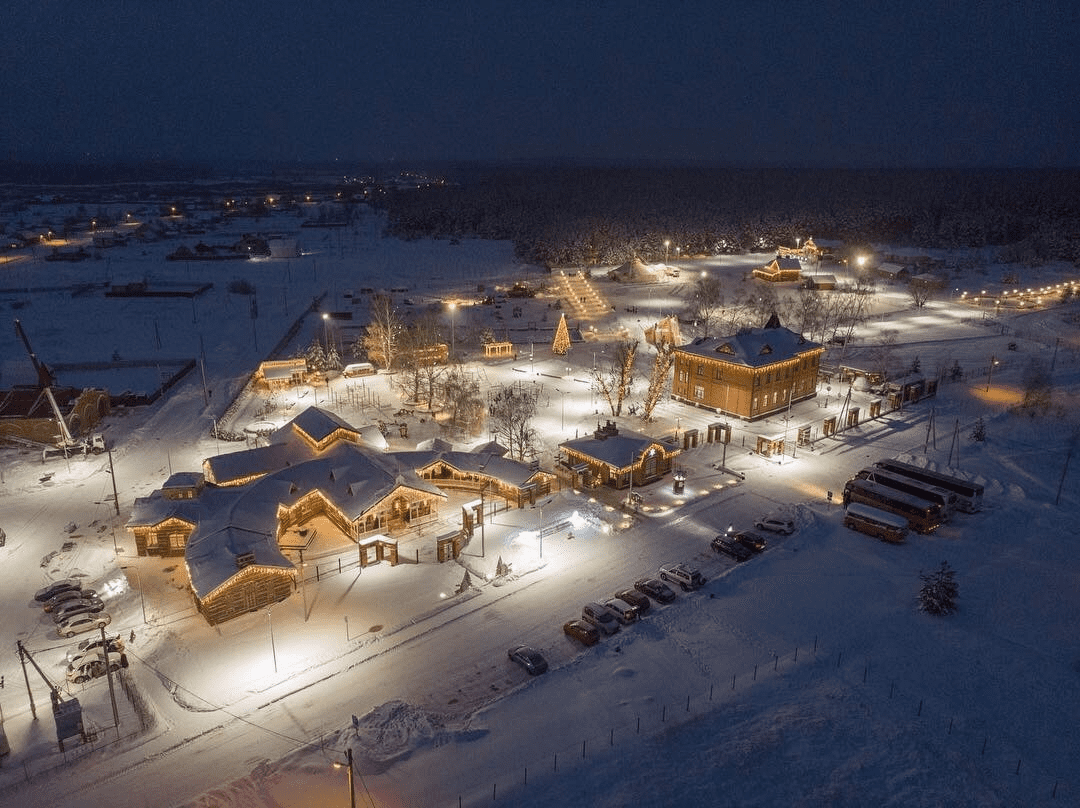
(805, 676)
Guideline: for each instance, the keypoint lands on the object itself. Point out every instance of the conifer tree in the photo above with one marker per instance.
(939, 590)
(561, 344)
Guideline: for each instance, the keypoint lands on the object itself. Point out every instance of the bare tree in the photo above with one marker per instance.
(658, 378)
(616, 381)
(708, 302)
(881, 354)
(420, 371)
(460, 394)
(808, 311)
(1038, 386)
(511, 410)
(920, 293)
(383, 332)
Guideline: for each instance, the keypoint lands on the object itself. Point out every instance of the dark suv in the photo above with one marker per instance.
(731, 547)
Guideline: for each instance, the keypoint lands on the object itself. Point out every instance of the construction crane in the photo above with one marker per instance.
(44, 373)
(67, 444)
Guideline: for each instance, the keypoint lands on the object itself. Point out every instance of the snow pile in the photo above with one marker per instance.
(393, 731)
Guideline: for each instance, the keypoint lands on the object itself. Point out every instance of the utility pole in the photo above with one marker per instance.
(108, 675)
(112, 473)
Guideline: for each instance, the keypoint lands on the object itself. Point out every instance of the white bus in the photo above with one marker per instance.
(358, 369)
(969, 496)
(909, 485)
(923, 515)
(875, 522)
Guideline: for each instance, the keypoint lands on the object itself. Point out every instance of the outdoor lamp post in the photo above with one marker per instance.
(142, 597)
(667, 247)
(453, 308)
(349, 763)
(326, 330)
(273, 650)
(990, 372)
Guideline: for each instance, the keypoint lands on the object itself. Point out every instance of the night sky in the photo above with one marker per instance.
(789, 83)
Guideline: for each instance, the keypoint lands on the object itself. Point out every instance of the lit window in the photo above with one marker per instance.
(699, 391)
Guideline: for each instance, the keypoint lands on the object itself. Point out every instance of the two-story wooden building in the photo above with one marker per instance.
(750, 374)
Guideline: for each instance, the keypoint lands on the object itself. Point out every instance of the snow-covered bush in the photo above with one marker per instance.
(939, 590)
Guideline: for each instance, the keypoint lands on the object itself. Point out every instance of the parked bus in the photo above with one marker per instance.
(969, 496)
(909, 485)
(922, 515)
(876, 522)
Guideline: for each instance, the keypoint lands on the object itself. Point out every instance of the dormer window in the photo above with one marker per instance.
(725, 348)
(765, 349)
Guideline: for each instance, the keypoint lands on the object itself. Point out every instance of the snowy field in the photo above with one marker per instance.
(806, 676)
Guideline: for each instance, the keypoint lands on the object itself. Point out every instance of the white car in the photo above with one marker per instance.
(626, 613)
(77, 624)
(686, 577)
(600, 616)
(775, 524)
(92, 665)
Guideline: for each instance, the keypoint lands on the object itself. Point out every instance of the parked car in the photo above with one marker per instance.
(626, 613)
(528, 658)
(775, 524)
(731, 547)
(600, 616)
(686, 577)
(67, 595)
(751, 540)
(78, 623)
(655, 589)
(92, 665)
(583, 632)
(636, 599)
(79, 606)
(115, 645)
(56, 587)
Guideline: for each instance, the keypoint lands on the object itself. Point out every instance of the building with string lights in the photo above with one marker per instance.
(243, 521)
(750, 374)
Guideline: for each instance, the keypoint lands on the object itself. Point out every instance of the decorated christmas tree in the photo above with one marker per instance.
(561, 344)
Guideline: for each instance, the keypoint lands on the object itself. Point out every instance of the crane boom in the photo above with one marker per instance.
(44, 374)
(65, 433)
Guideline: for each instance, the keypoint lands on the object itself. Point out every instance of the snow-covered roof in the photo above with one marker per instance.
(156, 508)
(316, 423)
(228, 468)
(212, 558)
(753, 347)
(491, 447)
(786, 263)
(619, 450)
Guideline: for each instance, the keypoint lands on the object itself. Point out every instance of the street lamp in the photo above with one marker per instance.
(453, 307)
(990, 372)
(273, 650)
(326, 330)
(142, 597)
(352, 791)
(667, 246)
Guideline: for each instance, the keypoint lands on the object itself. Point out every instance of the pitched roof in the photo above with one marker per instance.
(619, 450)
(753, 347)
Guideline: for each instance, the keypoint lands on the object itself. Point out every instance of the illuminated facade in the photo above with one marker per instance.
(751, 374)
(233, 523)
(617, 458)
